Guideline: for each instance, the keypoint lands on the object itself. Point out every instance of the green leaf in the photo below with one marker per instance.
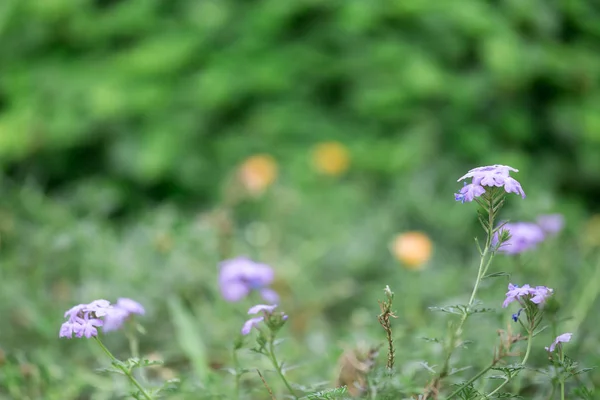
(496, 275)
(189, 337)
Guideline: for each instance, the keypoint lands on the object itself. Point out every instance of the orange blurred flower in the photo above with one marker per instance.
(257, 173)
(331, 158)
(412, 249)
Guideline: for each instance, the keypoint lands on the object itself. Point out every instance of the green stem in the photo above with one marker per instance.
(525, 357)
(484, 264)
(125, 370)
(273, 359)
(236, 364)
(473, 379)
(562, 390)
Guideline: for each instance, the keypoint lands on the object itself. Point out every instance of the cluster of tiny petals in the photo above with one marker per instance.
(523, 236)
(564, 338)
(84, 319)
(267, 311)
(536, 295)
(240, 276)
(491, 176)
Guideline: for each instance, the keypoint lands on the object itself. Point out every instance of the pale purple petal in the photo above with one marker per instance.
(512, 186)
(551, 223)
(269, 295)
(540, 294)
(99, 307)
(523, 236)
(469, 192)
(234, 291)
(131, 306)
(252, 322)
(74, 311)
(115, 320)
(66, 330)
(239, 276)
(262, 307)
(564, 338)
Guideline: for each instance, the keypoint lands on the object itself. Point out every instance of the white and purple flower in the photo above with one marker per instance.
(84, 319)
(490, 176)
(537, 295)
(267, 311)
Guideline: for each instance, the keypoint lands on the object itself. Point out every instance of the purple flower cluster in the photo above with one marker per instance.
(84, 319)
(527, 235)
(523, 236)
(267, 313)
(121, 312)
(491, 176)
(537, 295)
(239, 276)
(564, 338)
(551, 223)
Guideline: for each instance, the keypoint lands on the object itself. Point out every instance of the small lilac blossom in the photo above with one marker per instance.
(514, 292)
(251, 323)
(491, 176)
(524, 236)
(122, 311)
(261, 307)
(83, 319)
(268, 311)
(540, 294)
(537, 295)
(239, 276)
(564, 338)
(469, 192)
(551, 223)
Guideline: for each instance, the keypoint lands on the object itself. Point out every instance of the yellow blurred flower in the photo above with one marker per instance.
(331, 158)
(257, 173)
(412, 249)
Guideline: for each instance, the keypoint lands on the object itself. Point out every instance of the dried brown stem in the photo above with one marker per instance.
(266, 385)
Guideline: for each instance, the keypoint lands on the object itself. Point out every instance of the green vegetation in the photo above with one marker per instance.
(122, 128)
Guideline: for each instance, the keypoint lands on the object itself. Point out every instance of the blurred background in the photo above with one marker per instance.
(143, 141)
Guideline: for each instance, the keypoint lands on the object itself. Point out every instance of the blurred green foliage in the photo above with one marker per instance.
(165, 96)
(107, 104)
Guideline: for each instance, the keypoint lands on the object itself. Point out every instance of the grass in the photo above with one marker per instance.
(328, 243)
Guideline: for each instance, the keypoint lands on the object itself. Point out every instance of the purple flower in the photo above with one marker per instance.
(262, 307)
(564, 338)
(469, 192)
(267, 316)
(121, 312)
(251, 323)
(239, 276)
(523, 236)
(491, 176)
(514, 292)
(83, 319)
(540, 294)
(537, 295)
(551, 223)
